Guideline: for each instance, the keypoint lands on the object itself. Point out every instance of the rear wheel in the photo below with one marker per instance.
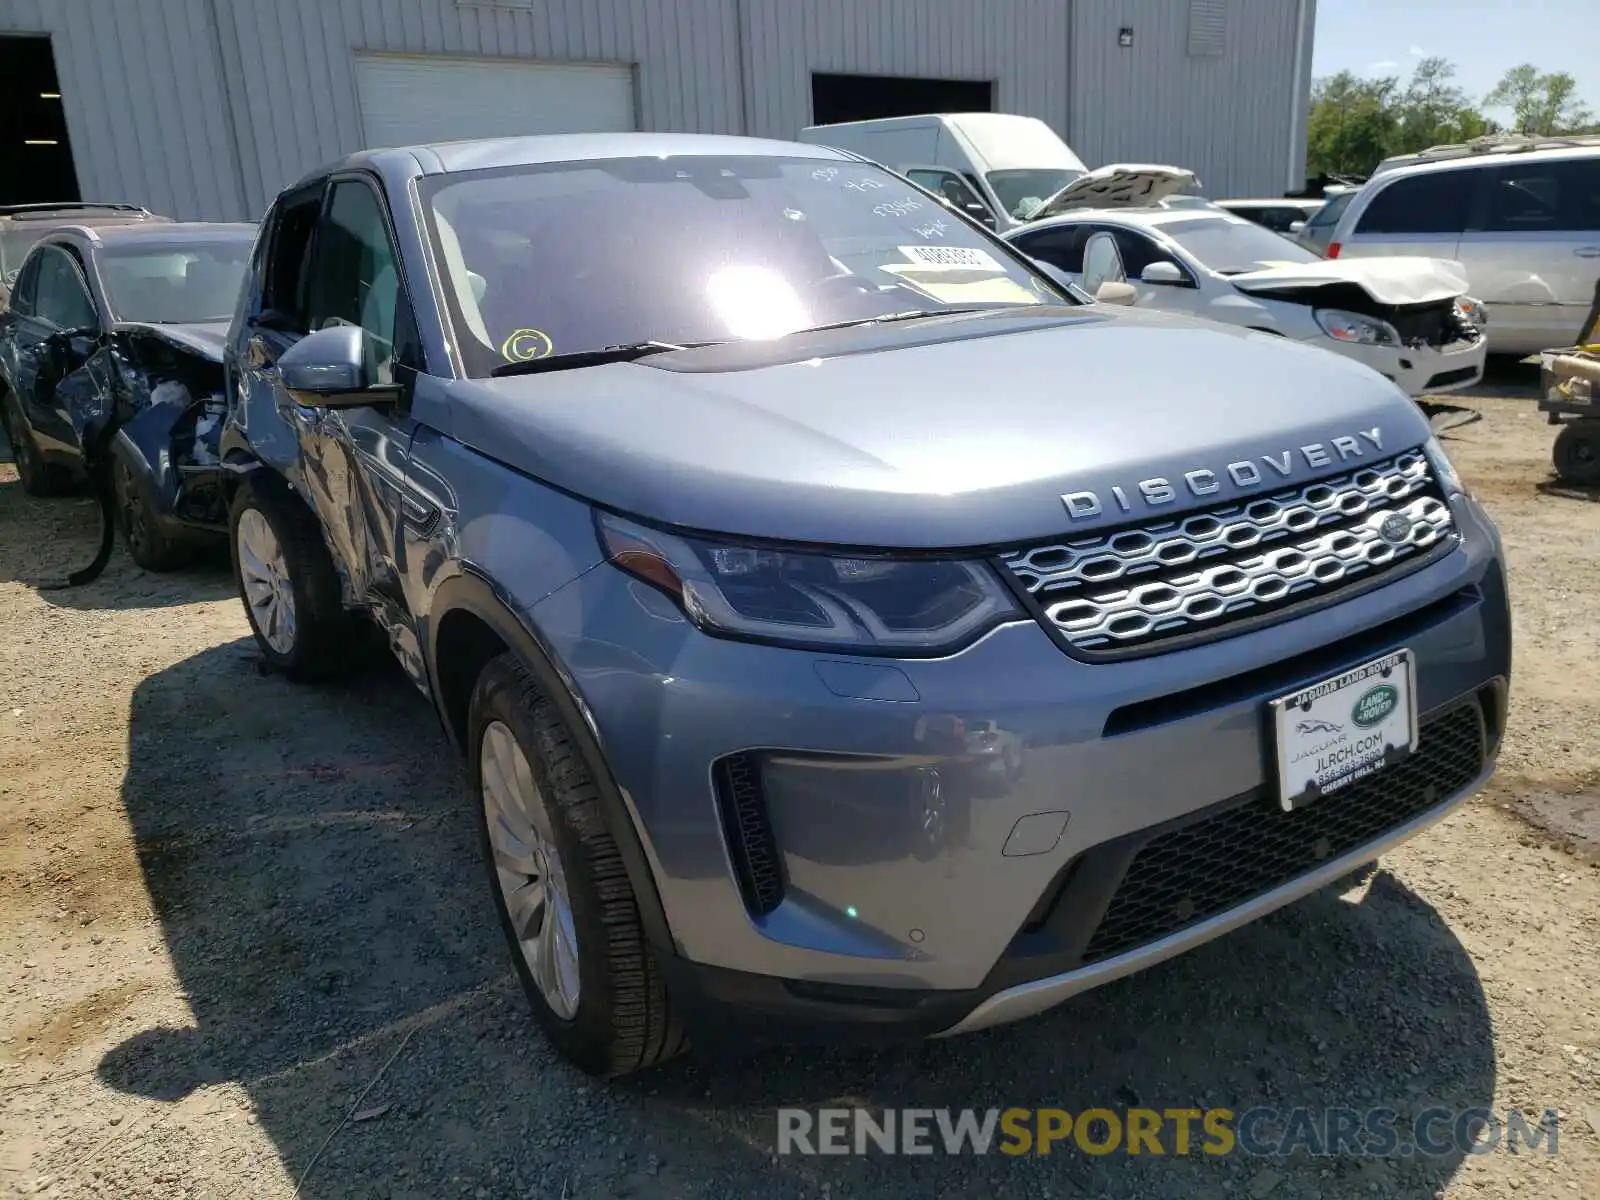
(1577, 453)
(286, 579)
(559, 885)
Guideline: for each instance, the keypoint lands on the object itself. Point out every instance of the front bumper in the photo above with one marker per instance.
(940, 842)
(1421, 370)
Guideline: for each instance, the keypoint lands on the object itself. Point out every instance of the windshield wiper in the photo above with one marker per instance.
(593, 358)
(910, 314)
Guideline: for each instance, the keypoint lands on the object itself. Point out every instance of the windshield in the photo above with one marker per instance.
(170, 284)
(1330, 212)
(1232, 245)
(14, 246)
(1020, 192)
(572, 258)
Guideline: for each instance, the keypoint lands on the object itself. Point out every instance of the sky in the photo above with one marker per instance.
(1482, 37)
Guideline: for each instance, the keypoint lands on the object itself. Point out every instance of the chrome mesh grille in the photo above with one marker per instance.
(1120, 592)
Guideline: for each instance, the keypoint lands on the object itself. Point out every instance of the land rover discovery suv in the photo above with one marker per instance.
(850, 631)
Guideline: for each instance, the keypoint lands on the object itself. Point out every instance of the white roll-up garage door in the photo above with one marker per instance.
(412, 99)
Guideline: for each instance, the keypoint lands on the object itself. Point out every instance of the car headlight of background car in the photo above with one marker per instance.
(1356, 328)
(1471, 311)
(802, 598)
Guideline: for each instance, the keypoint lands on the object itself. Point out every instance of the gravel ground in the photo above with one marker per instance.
(234, 912)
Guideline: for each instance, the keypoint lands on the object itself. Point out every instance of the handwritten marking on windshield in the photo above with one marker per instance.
(525, 345)
(897, 208)
(864, 185)
(825, 174)
(933, 229)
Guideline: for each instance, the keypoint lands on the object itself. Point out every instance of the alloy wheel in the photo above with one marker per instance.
(528, 867)
(264, 574)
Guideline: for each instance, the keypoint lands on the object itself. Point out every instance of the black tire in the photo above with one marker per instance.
(1577, 453)
(325, 637)
(623, 1021)
(39, 478)
(149, 545)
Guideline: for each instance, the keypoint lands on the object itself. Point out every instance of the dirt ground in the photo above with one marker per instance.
(234, 913)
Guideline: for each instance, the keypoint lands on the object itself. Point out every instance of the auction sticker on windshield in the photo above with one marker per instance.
(1343, 729)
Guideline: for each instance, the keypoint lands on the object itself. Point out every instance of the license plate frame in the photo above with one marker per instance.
(1322, 734)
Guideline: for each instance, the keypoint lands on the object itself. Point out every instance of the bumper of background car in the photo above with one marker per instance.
(1421, 370)
(851, 847)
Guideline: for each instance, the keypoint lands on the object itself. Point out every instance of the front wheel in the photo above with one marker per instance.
(149, 545)
(1577, 453)
(559, 884)
(286, 579)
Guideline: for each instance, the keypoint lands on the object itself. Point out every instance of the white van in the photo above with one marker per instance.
(995, 166)
(1522, 219)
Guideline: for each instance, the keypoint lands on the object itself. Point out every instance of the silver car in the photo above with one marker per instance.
(1525, 225)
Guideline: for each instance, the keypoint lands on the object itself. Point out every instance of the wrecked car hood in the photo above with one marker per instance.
(205, 338)
(1387, 280)
(1119, 185)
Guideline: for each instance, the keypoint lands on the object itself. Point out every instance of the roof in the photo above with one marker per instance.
(1421, 165)
(1299, 202)
(1151, 216)
(490, 153)
(158, 233)
(83, 210)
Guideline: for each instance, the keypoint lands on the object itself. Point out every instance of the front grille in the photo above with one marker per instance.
(1224, 858)
(1446, 378)
(747, 829)
(1128, 591)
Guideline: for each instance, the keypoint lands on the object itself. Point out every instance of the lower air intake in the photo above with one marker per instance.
(747, 830)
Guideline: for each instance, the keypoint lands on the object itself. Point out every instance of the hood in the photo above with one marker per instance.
(1386, 280)
(205, 338)
(953, 443)
(1120, 185)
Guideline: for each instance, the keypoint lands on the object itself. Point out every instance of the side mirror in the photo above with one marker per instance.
(1116, 292)
(1296, 226)
(69, 349)
(1166, 273)
(330, 368)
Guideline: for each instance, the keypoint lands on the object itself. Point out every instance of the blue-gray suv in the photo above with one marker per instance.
(852, 630)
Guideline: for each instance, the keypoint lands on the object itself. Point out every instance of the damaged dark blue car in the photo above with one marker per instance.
(111, 364)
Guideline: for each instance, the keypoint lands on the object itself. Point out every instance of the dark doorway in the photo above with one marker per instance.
(33, 129)
(837, 98)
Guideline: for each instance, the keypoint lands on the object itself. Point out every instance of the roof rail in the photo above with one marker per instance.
(22, 210)
(1507, 143)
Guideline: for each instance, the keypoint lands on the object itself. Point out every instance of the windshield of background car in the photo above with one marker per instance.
(1232, 245)
(174, 284)
(1330, 212)
(1023, 191)
(580, 256)
(14, 246)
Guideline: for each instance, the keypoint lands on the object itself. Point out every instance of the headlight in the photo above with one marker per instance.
(1355, 328)
(1471, 310)
(1443, 469)
(881, 605)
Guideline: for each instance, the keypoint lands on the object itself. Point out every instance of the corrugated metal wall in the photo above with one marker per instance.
(1233, 118)
(150, 120)
(1022, 45)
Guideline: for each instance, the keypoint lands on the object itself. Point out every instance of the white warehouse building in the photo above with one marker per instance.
(206, 108)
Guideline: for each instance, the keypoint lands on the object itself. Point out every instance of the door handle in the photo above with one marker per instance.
(1587, 252)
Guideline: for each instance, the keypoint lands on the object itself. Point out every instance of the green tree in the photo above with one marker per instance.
(1352, 124)
(1540, 103)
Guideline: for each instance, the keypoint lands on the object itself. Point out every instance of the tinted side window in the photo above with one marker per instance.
(1538, 196)
(61, 297)
(283, 292)
(1432, 203)
(354, 277)
(1138, 252)
(1060, 247)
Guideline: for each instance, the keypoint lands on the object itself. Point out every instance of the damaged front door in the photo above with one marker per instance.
(56, 341)
(352, 460)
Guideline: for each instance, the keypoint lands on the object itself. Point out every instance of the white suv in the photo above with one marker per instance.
(1524, 223)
